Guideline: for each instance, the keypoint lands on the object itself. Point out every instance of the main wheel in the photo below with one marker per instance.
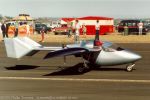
(81, 69)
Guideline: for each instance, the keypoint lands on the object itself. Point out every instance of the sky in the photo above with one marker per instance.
(77, 8)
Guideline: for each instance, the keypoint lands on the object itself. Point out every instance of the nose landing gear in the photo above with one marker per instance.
(129, 68)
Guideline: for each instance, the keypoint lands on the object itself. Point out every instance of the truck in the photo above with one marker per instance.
(39, 26)
(132, 27)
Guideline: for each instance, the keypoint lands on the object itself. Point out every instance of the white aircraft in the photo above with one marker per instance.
(94, 52)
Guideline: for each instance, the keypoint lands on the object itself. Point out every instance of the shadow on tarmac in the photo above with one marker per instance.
(21, 67)
(72, 70)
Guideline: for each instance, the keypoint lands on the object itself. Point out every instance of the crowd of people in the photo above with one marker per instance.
(73, 30)
(77, 28)
(139, 26)
(14, 27)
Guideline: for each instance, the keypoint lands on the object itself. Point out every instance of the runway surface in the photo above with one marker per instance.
(32, 78)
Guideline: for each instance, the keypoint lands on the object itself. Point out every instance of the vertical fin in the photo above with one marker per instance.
(29, 41)
(17, 48)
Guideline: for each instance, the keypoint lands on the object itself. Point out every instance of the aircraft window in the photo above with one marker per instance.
(119, 49)
(108, 49)
(112, 48)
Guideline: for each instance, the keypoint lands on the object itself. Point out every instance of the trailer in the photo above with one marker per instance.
(106, 24)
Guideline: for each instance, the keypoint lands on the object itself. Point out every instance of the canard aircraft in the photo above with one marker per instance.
(95, 52)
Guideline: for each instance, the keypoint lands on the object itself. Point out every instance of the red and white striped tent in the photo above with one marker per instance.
(106, 24)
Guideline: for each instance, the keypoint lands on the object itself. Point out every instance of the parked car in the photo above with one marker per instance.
(132, 26)
(60, 30)
(39, 26)
(147, 25)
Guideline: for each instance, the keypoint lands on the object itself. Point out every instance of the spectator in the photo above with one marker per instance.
(69, 28)
(77, 31)
(42, 34)
(16, 27)
(84, 30)
(140, 25)
(27, 30)
(3, 28)
(0, 28)
(126, 29)
(7, 28)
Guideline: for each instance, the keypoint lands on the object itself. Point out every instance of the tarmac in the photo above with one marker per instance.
(32, 78)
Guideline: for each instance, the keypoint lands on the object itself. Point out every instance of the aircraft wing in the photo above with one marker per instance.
(24, 46)
(66, 52)
(19, 47)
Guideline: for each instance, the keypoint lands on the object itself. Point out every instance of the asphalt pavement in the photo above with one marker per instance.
(32, 78)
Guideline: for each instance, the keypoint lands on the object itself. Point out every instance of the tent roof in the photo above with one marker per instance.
(22, 17)
(87, 18)
(94, 18)
(67, 19)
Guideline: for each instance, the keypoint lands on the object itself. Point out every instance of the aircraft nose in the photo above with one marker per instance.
(134, 56)
(137, 57)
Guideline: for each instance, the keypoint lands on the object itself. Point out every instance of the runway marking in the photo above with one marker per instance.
(75, 79)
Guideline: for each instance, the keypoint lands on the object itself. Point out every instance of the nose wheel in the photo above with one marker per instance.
(129, 68)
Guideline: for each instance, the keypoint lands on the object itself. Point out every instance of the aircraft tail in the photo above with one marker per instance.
(19, 47)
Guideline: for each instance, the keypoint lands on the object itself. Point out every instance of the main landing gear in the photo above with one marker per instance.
(84, 68)
(129, 67)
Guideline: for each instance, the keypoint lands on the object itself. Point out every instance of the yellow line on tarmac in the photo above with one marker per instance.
(75, 79)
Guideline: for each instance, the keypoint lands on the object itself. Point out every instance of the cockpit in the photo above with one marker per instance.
(110, 47)
(106, 46)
